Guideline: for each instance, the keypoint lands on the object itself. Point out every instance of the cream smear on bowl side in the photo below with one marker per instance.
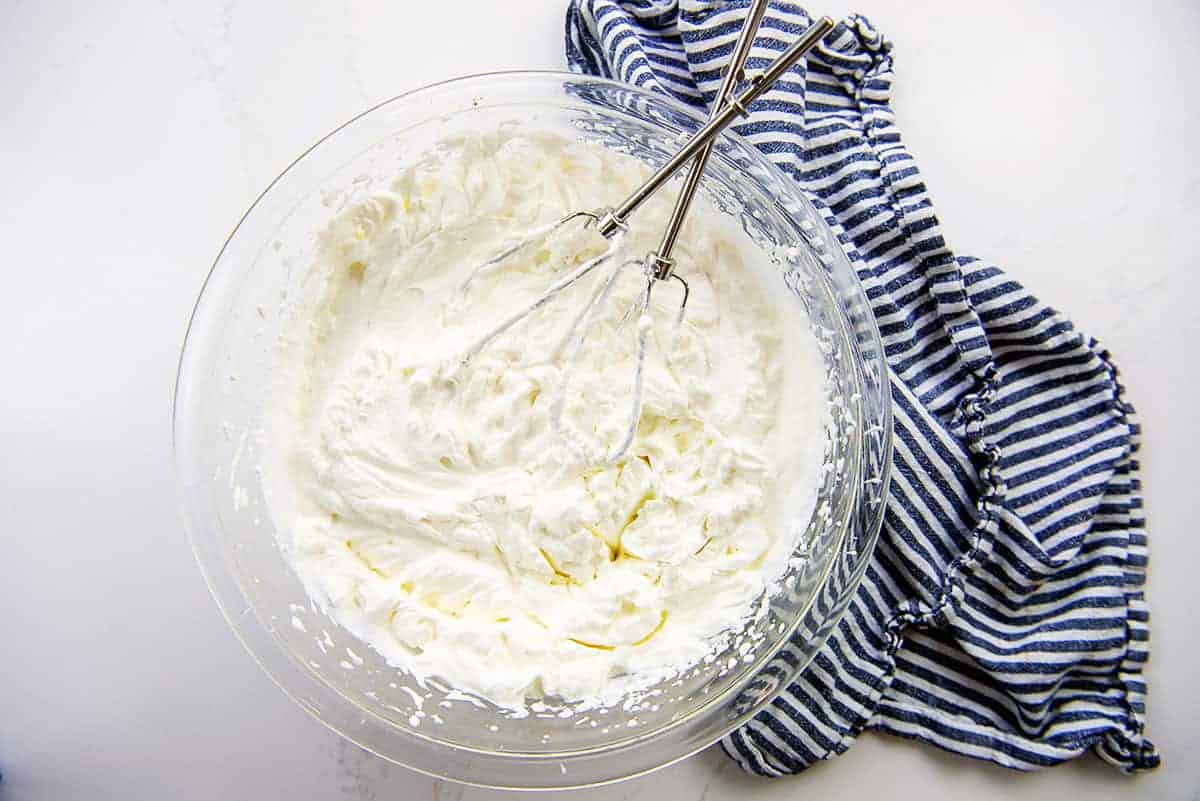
(437, 512)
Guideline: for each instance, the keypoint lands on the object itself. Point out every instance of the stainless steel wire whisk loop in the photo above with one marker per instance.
(611, 223)
(660, 265)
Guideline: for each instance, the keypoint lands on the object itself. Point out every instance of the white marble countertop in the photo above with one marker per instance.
(1059, 142)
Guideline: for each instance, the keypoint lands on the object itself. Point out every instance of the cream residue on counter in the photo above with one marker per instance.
(436, 511)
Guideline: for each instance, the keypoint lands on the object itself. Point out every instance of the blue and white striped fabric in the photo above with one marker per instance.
(1002, 616)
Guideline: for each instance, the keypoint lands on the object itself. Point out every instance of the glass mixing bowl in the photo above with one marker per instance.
(223, 385)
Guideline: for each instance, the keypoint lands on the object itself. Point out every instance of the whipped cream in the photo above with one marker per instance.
(460, 518)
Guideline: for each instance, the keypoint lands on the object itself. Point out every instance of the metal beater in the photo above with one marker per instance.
(658, 266)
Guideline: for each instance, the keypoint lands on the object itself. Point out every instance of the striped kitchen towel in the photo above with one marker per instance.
(1002, 615)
